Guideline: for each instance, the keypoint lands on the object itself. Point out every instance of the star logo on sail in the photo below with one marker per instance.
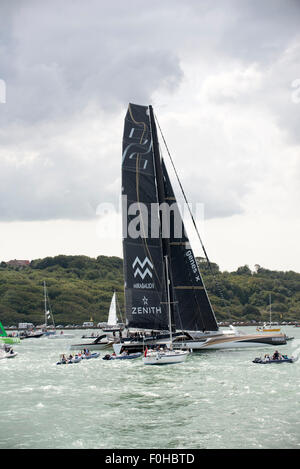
(145, 300)
(143, 267)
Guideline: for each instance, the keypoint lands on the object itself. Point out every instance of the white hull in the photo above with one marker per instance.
(164, 358)
(8, 355)
(232, 341)
(61, 336)
(231, 345)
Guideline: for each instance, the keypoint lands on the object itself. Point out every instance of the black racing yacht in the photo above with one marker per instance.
(153, 229)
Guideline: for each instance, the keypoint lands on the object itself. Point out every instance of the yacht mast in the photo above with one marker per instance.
(45, 303)
(168, 298)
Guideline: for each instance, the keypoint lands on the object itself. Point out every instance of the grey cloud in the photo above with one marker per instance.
(56, 185)
(60, 58)
(65, 55)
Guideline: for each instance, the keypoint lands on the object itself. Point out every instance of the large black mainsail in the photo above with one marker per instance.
(147, 192)
(145, 289)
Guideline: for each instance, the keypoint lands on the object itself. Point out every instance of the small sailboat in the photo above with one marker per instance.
(165, 356)
(270, 327)
(48, 330)
(112, 314)
(113, 326)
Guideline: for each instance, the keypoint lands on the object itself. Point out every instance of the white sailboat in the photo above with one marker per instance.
(49, 330)
(270, 327)
(165, 356)
(112, 314)
(113, 326)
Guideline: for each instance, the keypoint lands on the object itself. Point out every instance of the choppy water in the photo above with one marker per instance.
(216, 399)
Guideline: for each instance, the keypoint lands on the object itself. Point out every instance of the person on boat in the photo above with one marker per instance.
(276, 355)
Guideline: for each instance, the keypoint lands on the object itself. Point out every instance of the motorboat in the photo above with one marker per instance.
(77, 358)
(69, 361)
(7, 352)
(122, 356)
(265, 361)
(88, 355)
(31, 334)
(100, 343)
(61, 335)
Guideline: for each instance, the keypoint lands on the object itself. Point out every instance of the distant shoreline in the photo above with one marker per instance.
(227, 324)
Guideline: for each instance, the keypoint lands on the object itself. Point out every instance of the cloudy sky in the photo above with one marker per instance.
(224, 80)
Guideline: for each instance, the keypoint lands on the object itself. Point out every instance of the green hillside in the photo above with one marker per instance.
(80, 287)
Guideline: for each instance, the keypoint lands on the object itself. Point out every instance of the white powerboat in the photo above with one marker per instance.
(7, 352)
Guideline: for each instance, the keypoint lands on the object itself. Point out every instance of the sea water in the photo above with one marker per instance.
(215, 399)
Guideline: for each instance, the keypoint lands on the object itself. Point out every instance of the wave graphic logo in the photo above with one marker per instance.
(141, 270)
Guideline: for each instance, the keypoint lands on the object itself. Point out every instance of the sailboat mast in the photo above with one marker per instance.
(168, 298)
(161, 199)
(45, 302)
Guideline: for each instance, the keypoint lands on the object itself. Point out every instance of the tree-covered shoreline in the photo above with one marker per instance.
(81, 287)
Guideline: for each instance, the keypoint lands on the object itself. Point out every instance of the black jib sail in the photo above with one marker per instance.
(145, 289)
(193, 309)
